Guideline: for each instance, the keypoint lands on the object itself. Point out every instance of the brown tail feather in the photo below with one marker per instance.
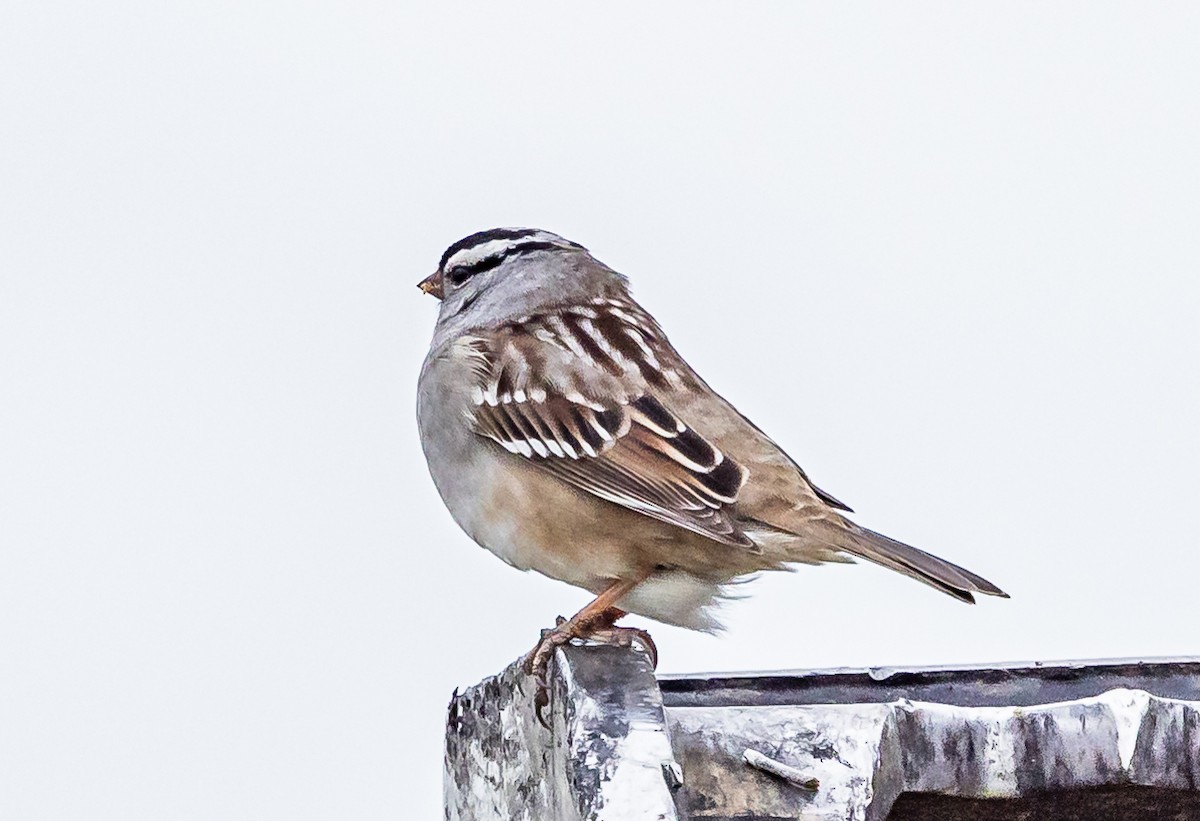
(924, 567)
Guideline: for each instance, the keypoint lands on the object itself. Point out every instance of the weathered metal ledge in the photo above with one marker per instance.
(993, 685)
(606, 754)
(1081, 740)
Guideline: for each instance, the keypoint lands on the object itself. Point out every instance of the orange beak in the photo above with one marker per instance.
(432, 284)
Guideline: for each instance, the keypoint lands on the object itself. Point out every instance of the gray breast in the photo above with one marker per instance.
(452, 451)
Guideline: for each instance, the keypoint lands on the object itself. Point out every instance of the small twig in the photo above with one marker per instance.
(780, 770)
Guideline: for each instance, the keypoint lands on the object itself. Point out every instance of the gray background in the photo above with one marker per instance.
(946, 254)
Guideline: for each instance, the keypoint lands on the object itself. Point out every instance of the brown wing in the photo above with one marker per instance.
(571, 393)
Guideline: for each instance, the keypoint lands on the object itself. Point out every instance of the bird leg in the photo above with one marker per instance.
(595, 621)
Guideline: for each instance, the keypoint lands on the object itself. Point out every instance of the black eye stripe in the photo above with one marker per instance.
(461, 273)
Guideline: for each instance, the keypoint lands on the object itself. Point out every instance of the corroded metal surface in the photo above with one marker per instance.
(1123, 741)
(867, 755)
(606, 756)
(997, 685)
(1125, 803)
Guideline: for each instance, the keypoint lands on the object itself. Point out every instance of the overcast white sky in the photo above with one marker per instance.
(947, 254)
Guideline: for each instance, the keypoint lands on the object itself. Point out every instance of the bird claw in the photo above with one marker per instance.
(536, 663)
(541, 700)
(625, 637)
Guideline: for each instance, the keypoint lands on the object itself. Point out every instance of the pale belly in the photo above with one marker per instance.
(533, 521)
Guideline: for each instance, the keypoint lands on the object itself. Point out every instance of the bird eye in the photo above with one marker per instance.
(462, 273)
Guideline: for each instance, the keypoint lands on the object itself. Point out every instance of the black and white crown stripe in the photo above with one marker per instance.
(487, 249)
(482, 237)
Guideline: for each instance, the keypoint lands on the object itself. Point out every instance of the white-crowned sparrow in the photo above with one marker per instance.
(567, 436)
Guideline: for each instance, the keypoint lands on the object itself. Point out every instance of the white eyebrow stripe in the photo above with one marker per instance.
(496, 247)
